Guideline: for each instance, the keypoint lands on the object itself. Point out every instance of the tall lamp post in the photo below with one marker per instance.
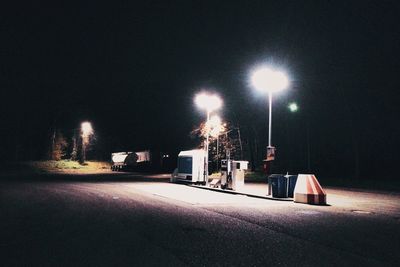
(209, 103)
(215, 127)
(269, 81)
(86, 131)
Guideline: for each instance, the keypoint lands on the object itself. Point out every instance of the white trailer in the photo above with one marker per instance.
(124, 160)
(190, 167)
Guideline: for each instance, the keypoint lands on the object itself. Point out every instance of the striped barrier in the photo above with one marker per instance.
(308, 190)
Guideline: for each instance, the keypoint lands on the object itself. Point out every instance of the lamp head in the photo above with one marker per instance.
(209, 102)
(86, 129)
(269, 80)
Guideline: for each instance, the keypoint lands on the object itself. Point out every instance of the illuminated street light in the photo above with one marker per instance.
(86, 129)
(215, 121)
(215, 126)
(86, 132)
(293, 107)
(210, 103)
(269, 81)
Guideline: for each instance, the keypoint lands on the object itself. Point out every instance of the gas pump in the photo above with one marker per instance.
(226, 169)
(233, 173)
(238, 169)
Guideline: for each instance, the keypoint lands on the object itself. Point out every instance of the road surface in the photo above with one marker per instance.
(136, 220)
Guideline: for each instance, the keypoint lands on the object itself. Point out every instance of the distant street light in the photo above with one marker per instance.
(269, 81)
(86, 129)
(293, 107)
(86, 132)
(210, 103)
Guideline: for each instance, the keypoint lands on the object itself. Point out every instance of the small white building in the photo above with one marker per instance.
(190, 167)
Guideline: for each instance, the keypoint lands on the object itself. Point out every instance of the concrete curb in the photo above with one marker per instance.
(240, 193)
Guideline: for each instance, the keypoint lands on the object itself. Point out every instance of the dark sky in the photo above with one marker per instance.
(132, 68)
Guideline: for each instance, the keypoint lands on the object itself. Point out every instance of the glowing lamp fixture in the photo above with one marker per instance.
(86, 128)
(209, 102)
(293, 107)
(268, 80)
(215, 126)
(215, 121)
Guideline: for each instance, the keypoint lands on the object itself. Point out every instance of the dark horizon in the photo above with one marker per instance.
(133, 70)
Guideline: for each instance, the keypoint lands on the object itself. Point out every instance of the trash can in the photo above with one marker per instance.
(291, 179)
(269, 181)
(277, 185)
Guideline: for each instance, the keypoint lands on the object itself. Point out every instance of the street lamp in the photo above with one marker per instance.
(210, 103)
(293, 107)
(269, 81)
(86, 131)
(215, 127)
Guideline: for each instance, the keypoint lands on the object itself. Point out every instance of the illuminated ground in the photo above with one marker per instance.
(126, 220)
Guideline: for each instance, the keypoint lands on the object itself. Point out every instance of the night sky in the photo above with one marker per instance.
(132, 69)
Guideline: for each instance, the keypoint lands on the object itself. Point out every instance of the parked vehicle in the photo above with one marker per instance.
(141, 161)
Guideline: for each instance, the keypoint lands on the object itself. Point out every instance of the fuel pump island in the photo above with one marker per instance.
(302, 188)
(191, 168)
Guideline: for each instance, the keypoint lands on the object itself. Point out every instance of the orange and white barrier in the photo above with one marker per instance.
(308, 190)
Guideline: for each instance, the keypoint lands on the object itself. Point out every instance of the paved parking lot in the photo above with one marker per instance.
(126, 219)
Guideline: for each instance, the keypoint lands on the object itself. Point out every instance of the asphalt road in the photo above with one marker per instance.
(135, 220)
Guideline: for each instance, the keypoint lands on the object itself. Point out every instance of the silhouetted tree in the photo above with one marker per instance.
(59, 146)
(226, 144)
(74, 152)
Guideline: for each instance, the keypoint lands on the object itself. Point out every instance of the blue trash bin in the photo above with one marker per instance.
(277, 186)
(292, 179)
(269, 181)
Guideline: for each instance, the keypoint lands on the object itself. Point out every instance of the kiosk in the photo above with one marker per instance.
(190, 167)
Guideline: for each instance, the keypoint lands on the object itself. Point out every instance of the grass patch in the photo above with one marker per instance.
(62, 166)
(72, 166)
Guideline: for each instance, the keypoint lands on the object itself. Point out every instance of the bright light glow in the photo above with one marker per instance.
(268, 80)
(209, 102)
(214, 121)
(86, 128)
(293, 107)
(215, 126)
